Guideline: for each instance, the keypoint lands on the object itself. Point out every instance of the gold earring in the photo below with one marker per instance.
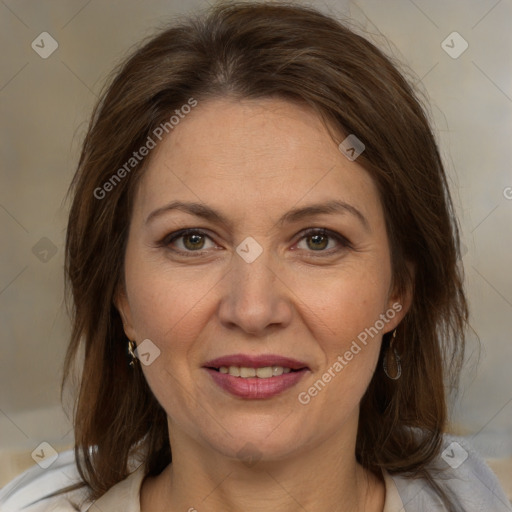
(395, 362)
(131, 351)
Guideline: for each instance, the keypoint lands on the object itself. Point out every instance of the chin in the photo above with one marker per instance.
(265, 444)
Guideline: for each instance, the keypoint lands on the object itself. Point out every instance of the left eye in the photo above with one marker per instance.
(319, 239)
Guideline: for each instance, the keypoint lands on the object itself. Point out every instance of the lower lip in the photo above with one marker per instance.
(253, 387)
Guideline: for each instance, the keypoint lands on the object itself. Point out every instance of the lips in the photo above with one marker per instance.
(248, 387)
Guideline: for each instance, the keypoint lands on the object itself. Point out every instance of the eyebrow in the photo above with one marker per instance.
(295, 215)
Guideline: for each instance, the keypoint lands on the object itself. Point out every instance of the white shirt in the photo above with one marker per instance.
(475, 487)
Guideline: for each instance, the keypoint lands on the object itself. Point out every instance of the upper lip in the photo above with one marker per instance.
(256, 361)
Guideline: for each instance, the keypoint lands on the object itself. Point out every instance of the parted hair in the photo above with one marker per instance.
(258, 50)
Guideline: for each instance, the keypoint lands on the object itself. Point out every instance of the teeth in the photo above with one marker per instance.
(246, 372)
(262, 373)
(234, 370)
(277, 370)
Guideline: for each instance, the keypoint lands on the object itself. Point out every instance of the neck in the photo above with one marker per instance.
(327, 477)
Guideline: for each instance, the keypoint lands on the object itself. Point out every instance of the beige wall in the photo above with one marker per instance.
(45, 104)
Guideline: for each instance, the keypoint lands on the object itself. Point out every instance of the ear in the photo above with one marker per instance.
(123, 306)
(400, 303)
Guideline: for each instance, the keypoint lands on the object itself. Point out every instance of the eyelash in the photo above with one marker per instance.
(169, 239)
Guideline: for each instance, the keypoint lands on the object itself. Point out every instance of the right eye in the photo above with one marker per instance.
(192, 240)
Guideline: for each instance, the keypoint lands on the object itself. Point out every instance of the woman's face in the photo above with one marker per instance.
(249, 282)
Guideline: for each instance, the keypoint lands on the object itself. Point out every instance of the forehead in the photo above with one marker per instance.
(265, 153)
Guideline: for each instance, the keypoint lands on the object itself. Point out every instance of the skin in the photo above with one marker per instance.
(306, 298)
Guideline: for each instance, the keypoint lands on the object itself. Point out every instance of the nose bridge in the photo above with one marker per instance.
(254, 297)
(255, 278)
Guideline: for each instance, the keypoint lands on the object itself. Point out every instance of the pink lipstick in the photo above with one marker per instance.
(255, 377)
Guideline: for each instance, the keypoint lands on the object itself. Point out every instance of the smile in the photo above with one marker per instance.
(245, 372)
(255, 377)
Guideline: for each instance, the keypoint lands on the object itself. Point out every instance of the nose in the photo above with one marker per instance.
(255, 297)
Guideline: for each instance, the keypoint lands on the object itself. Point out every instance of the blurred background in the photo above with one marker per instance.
(56, 58)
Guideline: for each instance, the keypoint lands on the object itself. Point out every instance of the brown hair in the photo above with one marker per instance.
(257, 50)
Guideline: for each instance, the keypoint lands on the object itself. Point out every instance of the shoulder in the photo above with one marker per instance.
(462, 474)
(30, 490)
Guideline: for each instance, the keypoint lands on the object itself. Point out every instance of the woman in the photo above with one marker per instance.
(263, 259)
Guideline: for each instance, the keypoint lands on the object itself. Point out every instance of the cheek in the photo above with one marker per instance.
(346, 312)
(165, 300)
(168, 309)
(171, 307)
(344, 303)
